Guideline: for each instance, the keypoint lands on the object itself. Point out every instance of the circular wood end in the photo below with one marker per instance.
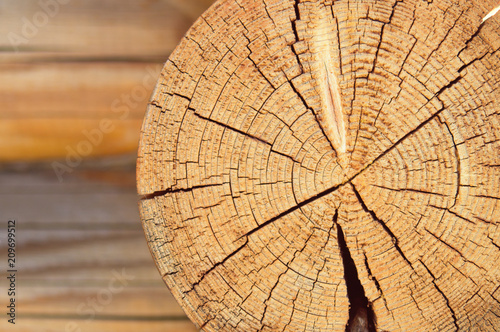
(329, 166)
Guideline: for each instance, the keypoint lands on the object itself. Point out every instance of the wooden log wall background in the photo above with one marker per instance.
(75, 79)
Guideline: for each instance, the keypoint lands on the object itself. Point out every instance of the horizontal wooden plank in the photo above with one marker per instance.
(72, 110)
(66, 140)
(76, 90)
(73, 325)
(114, 28)
(81, 208)
(117, 177)
(113, 299)
(82, 258)
(85, 199)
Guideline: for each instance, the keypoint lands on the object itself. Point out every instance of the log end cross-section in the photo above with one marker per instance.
(329, 166)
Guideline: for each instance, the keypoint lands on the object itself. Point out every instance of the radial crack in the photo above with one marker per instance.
(361, 315)
(231, 128)
(375, 281)
(160, 193)
(217, 264)
(296, 32)
(459, 166)
(493, 242)
(403, 138)
(279, 278)
(382, 35)
(292, 209)
(241, 132)
(453, 315)
(395, 240)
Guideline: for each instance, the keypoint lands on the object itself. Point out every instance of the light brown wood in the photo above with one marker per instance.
(54, 324)
(67, 65)
(93, 30)
(329, 166)
(83, 264)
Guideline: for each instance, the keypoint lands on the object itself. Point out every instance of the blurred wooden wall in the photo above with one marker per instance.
(67, 64)
(75, 79)
(82, 259)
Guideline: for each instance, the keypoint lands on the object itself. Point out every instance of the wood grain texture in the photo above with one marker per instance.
(51, 325)
(82, 260)
(253, 208)
(67, 65)
(91, 29)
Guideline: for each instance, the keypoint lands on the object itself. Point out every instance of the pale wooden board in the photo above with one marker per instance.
(70, 325)
(81, 252)
(59, 110)
(50, 299)
(76, 90)
(116, 28)
(84, 198)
